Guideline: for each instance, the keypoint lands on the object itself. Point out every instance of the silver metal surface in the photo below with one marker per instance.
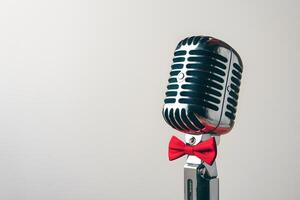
(190, 181)
(200, 179)
(202, 91)
(197, 186)
(214, 189)
(201, 101)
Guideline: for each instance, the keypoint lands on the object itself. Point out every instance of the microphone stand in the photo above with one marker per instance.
(200, 179)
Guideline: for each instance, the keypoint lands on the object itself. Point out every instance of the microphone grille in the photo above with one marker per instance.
(203, 87)
(233, 89)
(205, 74)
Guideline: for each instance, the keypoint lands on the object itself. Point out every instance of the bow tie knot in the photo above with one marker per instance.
(206, 151)
(188, 150)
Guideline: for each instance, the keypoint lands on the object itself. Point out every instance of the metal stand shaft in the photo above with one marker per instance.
(200, 179)
(197, 185)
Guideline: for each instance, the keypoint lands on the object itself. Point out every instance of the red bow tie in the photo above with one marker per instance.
(206, 151)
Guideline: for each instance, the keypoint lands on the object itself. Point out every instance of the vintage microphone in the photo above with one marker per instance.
(201, 101)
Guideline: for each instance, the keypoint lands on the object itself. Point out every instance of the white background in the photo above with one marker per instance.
(82, 85)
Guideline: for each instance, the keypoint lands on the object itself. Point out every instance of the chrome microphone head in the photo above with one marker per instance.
(202, 93)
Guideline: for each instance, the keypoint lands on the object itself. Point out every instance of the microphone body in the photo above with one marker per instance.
(203, 88)
(201, 101)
